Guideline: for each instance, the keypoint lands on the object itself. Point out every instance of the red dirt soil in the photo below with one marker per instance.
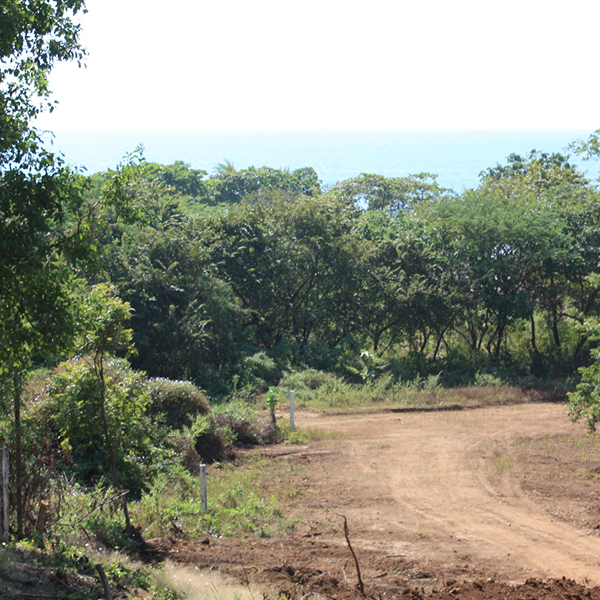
(441, 503)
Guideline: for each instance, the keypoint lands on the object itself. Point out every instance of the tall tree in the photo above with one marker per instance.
(394, 195)
(36, 192)
(293, 263)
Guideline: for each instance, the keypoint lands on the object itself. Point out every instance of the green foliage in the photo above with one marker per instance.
(229, 186)
(584, 402)
(247, 429)
(178, 402)
(483, 379)
(92, 426)
(310, 384)
(590, 148)
(426, 280)
(368, 365)
(293, 265)
(92, 511)
(211, 437)
(258, 371)
(237, 503)
(33, 37)
(36, 284)
(394, 195)
(271, 401)
(187, 324)
(537, 173)
(181, 179)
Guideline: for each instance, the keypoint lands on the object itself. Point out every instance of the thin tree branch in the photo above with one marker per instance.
(361, 585)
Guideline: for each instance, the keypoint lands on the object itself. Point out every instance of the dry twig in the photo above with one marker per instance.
(361, 585)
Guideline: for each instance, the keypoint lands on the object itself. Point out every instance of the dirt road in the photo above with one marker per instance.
(432, 499)
(444, 495)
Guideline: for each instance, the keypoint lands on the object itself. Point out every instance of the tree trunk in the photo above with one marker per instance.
(99, 367)
(555, 334)
(19, 454)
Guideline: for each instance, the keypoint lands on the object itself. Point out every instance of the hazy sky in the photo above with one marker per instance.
(333, 64)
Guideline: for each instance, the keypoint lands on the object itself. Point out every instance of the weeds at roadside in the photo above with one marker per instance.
(500, 463)
(72, 572)
(241, 499)
(237, 502)
(304, 435)
(327, 393)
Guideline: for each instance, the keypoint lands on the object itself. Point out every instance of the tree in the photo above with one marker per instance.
(186, 322)
(394, 195)
(35, 193)
(530, 177)
(293, 262)
(408, 294)
(180, 179)
(584, 402)
(226, 167)
(229, 186)
(548, 184)
(34, 35)
(501, 247)
(590, 148)
(90, 401)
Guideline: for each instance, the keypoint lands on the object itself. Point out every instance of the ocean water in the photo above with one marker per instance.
(456, 157)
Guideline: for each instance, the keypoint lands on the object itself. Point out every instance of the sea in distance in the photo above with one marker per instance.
(457, 157)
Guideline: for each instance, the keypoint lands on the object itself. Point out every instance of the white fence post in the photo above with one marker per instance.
(292, 398)
(4, 532)
(203, 494)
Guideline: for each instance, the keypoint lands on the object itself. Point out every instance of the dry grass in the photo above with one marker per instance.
(202, 585)
(560, 471)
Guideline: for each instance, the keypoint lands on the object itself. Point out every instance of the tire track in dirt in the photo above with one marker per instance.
(452, 502)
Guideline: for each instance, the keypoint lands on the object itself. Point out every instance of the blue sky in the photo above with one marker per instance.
(332, 64)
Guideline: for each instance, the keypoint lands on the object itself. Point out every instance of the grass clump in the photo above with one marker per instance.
(241, 500)
(304, 435)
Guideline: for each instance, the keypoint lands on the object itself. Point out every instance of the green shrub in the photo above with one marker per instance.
(90, 432)
(246, 428)
(179, 401)
(486, 379)
(259, 371)
(310, 384)
(212, 437)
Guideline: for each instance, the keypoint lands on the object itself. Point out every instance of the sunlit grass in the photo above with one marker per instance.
(303, 435)
(239, 501)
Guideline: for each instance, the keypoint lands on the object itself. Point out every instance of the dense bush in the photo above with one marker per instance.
(229, 425)
(178, 401)
(96, 426)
